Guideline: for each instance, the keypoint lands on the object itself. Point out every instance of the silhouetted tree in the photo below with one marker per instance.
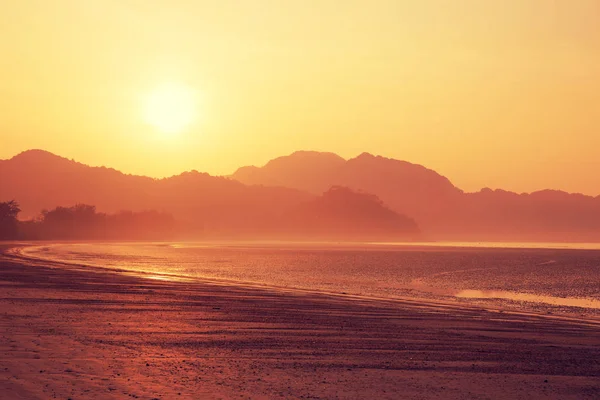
(9, 225)
(344, 214)
(82, 221)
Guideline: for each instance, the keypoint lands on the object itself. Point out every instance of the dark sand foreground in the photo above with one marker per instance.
(93, 334)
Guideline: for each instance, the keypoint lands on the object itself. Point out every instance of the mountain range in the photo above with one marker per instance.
(442, 210)
(293, 194)
(205, 206)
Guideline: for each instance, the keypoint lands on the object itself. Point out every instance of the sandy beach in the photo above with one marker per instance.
(82, 333)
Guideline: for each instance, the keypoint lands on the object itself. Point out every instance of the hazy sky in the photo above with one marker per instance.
(498, 93)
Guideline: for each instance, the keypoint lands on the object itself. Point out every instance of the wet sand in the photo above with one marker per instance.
(91, 333)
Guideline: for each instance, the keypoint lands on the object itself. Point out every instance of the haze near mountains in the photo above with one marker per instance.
(290, 197)
(204, 206)
(442, 210)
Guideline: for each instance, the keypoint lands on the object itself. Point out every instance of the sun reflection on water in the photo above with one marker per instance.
(532, 298)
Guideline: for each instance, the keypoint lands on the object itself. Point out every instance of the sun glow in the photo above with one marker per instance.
(170, 108)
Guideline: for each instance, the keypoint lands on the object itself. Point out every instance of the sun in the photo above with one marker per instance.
(170, 108)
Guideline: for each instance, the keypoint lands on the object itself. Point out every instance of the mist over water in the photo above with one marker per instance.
(522, 276)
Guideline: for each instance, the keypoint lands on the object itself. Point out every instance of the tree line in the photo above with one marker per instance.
(83, 221)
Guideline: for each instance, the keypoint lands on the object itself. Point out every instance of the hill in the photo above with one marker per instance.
(407, 188)
(343, 214)
(310, 171)
(41, 180)
(442, 210)
(203, 205)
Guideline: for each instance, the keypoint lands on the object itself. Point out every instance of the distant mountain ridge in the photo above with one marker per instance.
(346, 214)
(407, 188)
(441, 209)
(254, 200)
(205, 204)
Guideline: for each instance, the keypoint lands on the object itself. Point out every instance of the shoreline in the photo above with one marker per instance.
(437, 297)
(71, 332)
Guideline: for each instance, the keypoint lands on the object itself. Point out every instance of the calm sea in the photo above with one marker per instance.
(539, 277)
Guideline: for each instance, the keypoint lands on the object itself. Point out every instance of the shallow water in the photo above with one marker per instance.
(526, 278)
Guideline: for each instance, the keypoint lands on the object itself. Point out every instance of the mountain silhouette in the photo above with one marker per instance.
(260, 201)
(341, 213)
(310, 171)
(40, 180)
(407, 188)
(442, 210)
(201, 203)
(547, 215)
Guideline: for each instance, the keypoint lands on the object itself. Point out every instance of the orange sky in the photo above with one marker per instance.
(489, 93)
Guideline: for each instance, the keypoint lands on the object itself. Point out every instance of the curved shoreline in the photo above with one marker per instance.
(16, 251)
(81, 333)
